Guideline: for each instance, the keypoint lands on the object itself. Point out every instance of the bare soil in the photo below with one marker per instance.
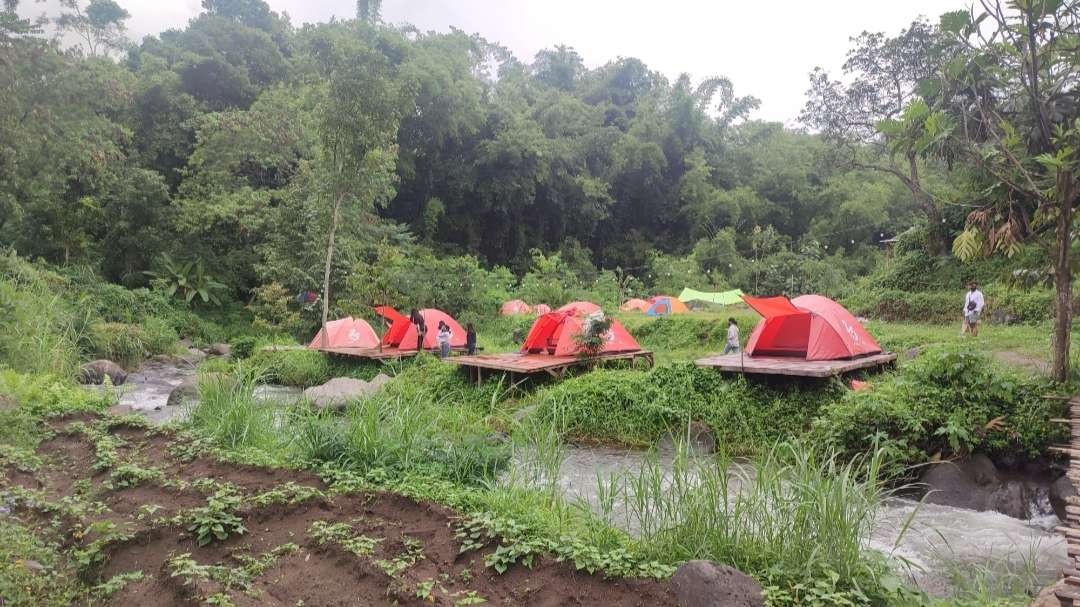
(415, 559)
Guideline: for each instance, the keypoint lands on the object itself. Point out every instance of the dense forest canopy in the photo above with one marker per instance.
(203, 143)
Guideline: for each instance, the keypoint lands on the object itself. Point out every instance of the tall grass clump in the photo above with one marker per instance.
(230, 414)
(39, 329)
(797, 518)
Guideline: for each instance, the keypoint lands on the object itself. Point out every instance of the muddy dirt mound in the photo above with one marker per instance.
(162, 524)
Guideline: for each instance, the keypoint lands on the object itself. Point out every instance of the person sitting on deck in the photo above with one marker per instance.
(443, 337)
(732, 344)
(421, 328)
(470, 339)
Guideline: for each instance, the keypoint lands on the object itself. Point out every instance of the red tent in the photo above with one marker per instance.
(541, 309)
(579, 308)
(556, 333)
(639, 305)
(810, 326)
(346, 332)
(402, 333)
(515, 307)
(398, 325)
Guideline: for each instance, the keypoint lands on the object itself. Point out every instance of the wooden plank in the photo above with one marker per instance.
(777, 365)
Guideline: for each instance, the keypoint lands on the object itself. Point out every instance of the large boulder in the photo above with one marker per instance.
(1060, 492)
(1047, 596)
(709, 584)
(341, 390)
(187, 390)
(219, 350)
(194, 356)
(974, 483)
(95, 372)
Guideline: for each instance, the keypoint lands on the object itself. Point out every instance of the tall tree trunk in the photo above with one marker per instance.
(921, 200)
(1063, 277)
(329, 261)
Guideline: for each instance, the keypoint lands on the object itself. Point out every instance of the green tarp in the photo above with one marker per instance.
(725, 298)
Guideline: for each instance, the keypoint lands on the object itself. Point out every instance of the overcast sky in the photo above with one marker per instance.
(766, 48)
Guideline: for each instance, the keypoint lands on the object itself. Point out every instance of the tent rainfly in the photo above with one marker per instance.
(346, 332)
(402, 333)
(515, 307)
(725, 298)
(662, 305)
(557, 334)
(811, 327)
(639, 305)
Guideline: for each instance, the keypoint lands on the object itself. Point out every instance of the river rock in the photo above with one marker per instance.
(1047, 596)
(709, 584)
(974, 483)
(94, 372)
(379, 381)
(219, 350)
(120, 410)
(194, 356)
(702, 441)
(1060, 491)
(339, 391)
(187, 390)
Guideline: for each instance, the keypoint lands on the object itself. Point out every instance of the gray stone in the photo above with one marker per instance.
(120, 410)
(1010, 498)
(34, 566)
(701, 440)
(337, 392)
(219, 350)
(913, 353)
(1047, 597)
(95, 372)
(709, 584)
(194, 356)
(379, 381)
(975, 484)
(187, 390)
(1060, 491)
(186, 343)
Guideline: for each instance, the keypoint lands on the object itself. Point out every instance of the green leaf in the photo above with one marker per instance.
(955, 22)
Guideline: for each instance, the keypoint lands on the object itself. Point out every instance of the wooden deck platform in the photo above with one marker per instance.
(797, 367)
(517, 364)
(377, 354)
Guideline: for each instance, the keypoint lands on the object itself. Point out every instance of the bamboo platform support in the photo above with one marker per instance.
(1069, 593)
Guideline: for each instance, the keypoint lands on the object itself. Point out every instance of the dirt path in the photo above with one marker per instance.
(126, 499)
(1026, 362)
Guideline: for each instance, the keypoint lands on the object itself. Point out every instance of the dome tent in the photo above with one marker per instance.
(812, 327)
(557, 334)
(579, 308)
(515, 307)
(402, 333)
(662, 305)
(346, 332)
(639, 305)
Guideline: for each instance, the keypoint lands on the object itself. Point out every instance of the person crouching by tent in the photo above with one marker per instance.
(421, 328)
(470, 339)
(732, 345)
(443, 337)
(973, 306)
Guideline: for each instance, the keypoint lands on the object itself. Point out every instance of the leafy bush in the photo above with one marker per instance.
(243, 346)
(295, 367)
(42, 394)
(128, 344)
(950, 400)
(639, 407)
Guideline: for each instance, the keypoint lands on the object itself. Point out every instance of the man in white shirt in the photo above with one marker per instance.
(973, 306)
(732, 344)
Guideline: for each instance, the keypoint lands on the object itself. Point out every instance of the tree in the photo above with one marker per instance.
(1013, 101)
(357, 125)
(100, 27)
(874, 120)
(369, 11)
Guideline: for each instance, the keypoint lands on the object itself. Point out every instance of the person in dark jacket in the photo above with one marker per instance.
(421, 328)
(470, 339)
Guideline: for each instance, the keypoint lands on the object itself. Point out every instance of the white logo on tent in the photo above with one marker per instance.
(354, 335)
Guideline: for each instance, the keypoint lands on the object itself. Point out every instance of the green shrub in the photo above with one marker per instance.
(950, 400)
(128, 344)
(295, 367)
(244, 346)
(639, 407)
(44, 395)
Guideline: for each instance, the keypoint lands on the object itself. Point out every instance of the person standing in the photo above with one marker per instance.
(421, 328)
(443, 337)
(732, 344)
(470, 339)
(973, 306)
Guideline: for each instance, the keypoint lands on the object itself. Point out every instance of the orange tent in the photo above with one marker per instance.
(810, 326)
(579, 308)
(661, 305)
(346, 332)
(402, 333)
(541, 309)
(557, 334)
(515, 307)
(634, 304)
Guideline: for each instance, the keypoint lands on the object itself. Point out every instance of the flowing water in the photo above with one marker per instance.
(939, 539)
(925, 546)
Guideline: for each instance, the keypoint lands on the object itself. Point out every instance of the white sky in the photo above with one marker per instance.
(766, 49)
